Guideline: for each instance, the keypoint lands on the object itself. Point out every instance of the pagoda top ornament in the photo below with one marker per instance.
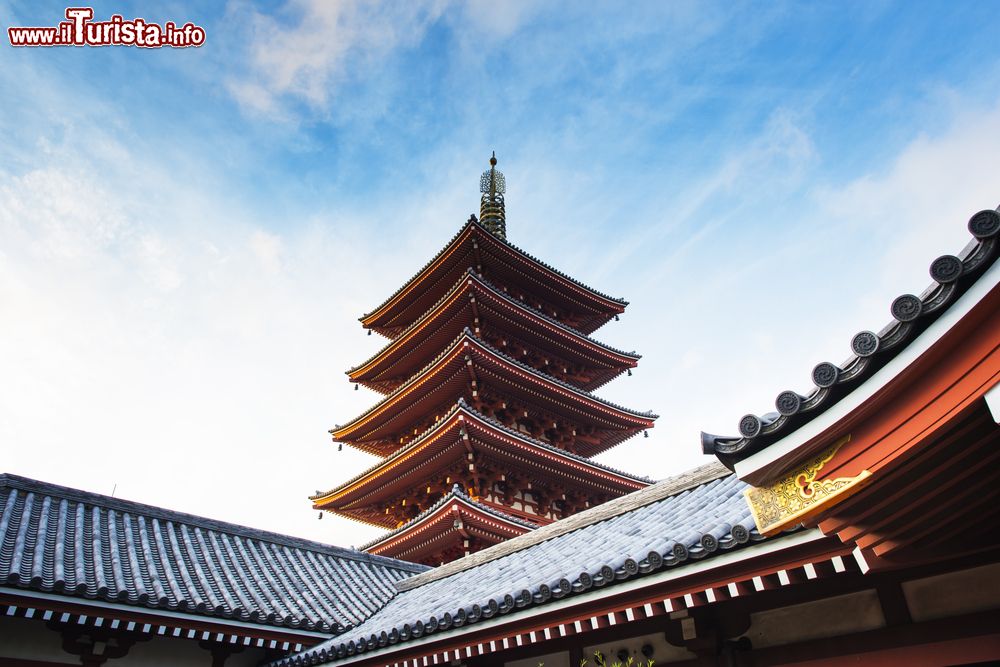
(492, 185)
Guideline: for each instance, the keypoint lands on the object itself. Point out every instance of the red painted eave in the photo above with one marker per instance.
(425, 287)
(445, 444)
(448, 378)
(957, 369)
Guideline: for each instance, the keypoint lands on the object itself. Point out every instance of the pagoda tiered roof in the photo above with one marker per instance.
(567, 299)
(486, 383)
(461, 436)
(463, 370)
(449, 524)
(472, 300)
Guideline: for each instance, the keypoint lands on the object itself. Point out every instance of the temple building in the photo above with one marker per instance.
(856, 523)
(489, 424)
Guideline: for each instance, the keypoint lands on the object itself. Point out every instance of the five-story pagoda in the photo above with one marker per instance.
(488, 423)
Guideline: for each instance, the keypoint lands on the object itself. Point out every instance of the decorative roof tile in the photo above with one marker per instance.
(952, 275)
(60, 540)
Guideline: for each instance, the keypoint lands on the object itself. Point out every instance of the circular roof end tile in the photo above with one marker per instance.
(788, 403)
(984, 224)
(864, 344)
(825, 374)
(946, 269)
(907, 308)
(750, 426)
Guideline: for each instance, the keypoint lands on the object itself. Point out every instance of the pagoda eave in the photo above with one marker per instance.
(475, 247)
(448, 527)
(462, 437)
(473, 303)
(463, 371)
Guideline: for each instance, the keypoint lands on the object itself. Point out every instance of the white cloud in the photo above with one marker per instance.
(66, 213)
(925, 195)
(311, 47)
(268, 249)
(764, 312)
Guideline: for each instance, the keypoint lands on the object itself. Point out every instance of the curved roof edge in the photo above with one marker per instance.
(467, 335)
(458, 287)
(663, 489)
(462, 406)
(476, 225)
(912, 315)
(456, 493)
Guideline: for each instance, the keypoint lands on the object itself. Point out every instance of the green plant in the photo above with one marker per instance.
(601, 662)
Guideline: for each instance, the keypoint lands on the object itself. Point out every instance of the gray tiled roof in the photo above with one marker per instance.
(952, 275)
(60, 540)
(691, 516)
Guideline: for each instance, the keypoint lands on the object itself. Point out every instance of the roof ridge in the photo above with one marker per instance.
(430, 429)
(553, 320)
(553, 448)
(449, 349)
(693, 522)
(568, 277)
(564, 384)
(423, 268)
(670, 486)
(29, 485)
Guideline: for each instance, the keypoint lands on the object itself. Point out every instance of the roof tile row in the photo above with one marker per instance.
(952, 276)
(704, 515)
(61, 540)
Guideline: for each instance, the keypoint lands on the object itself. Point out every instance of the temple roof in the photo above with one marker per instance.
(431, 387)
(953, 276)
(475, 247)
(550, 462)
(60, 540)
(455, 501)
(421, 341)
(688, 517)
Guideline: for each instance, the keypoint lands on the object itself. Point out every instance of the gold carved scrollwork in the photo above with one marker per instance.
(799, 495)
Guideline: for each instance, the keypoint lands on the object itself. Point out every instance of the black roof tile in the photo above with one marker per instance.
(61, 540)
(952, 275)
(691, 516)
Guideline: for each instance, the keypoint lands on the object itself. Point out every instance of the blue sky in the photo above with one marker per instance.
(188, 236)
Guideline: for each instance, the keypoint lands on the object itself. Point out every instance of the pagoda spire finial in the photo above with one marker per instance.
(491, 209)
